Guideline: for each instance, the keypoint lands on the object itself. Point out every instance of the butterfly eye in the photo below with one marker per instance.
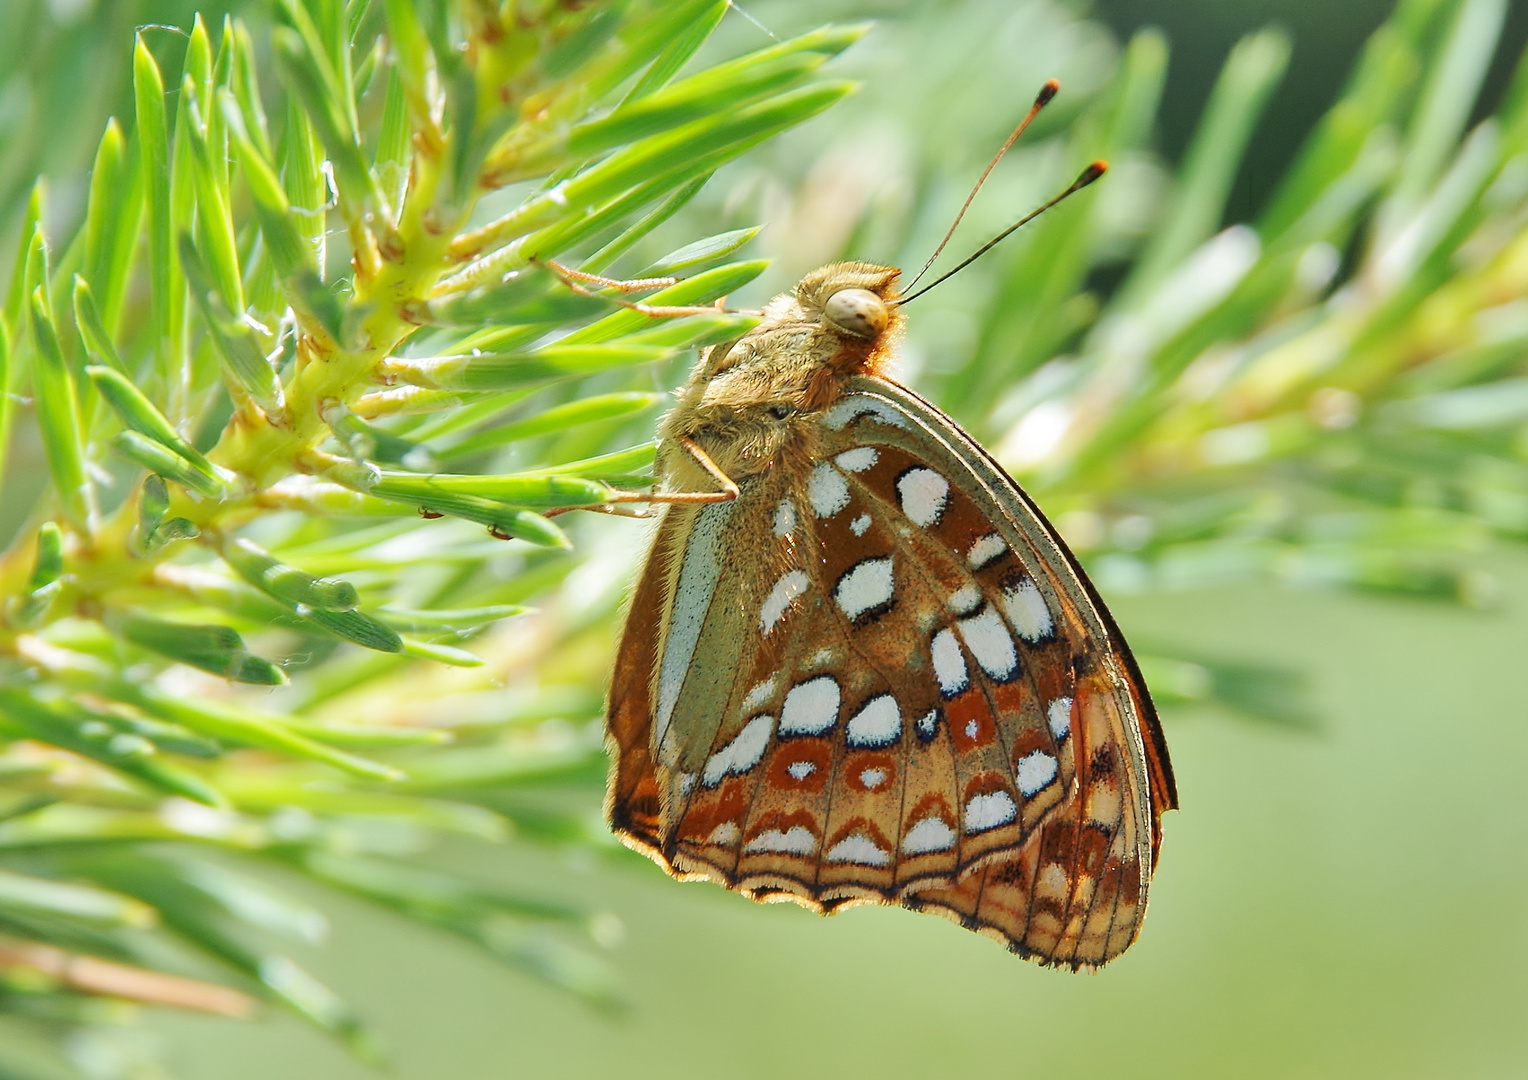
(858, 312)
(780, 412)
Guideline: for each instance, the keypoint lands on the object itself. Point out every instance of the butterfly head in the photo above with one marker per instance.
(750, 401)
(855, 303)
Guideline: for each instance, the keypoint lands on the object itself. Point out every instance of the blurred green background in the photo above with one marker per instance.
(1341, 899)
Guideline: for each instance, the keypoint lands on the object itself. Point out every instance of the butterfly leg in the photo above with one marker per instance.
(728, 489)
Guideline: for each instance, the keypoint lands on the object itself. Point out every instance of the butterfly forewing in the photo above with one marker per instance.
(880, 677)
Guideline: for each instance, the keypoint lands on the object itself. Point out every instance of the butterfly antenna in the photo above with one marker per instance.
(1042, 99)
(1090, 174)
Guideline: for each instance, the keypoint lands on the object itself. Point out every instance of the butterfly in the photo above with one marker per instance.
(861, 667)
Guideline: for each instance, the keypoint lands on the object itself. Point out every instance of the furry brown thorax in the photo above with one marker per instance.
(746, 401)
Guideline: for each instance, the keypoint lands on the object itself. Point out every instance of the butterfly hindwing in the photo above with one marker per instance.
(882, 678)
(1074, 891)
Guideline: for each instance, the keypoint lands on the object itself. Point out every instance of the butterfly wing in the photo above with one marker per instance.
(1075, 890)
(880, 677)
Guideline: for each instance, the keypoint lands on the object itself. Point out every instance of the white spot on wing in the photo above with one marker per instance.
(949, 664)
(1059, 716)
(800, 770)
(930, 834)
(864, 586)
(1034, 772)
(791, 585)
(853, 407)
(698, 572)
(964, 600)
(873, 778)
(878, 723)
(827, 490)
(989, 811)
(744, 752)
(1027, 611)
(759, 694)
(924, 494)
(928, 724)
(857, 460)
(811, 707)
(796, 840)
(725, 835)
(987, 637)
(1053, 880)
(860, 524)
(858, 848)
(985, 550)
(785, 517)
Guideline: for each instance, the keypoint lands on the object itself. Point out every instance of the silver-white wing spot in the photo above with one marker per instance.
(1034, 772)
(949, 663)
(796, 840)
(827, 490)
(800, 770)
(725, 835)
(924, 495)
(1059, 716)
(987, 637)
(865, 586)
(860, 524)
(877, 724)
(853, 407)
(989, 811)
(1028, 611)
(930, 834)
(760, 694)
(741, 754)
(1053, 880)
(811, 707)
(785, 517)
(791, 585)
(872, 778)
(859, 459)
(965, 599)
(858, 848)
(985, 550)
